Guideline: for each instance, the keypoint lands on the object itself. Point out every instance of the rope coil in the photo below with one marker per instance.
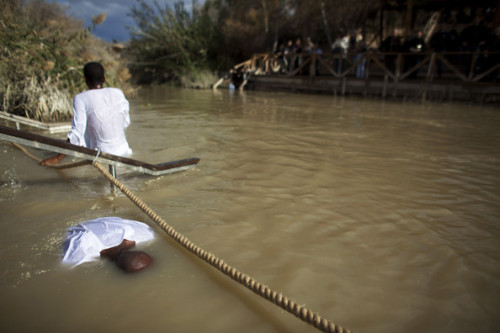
(243, 279)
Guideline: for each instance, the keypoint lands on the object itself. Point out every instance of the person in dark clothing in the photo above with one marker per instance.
(492, 57)
(475, 36)
(415, 44)
(359, 50)
(281, 58)
(474, 39)
(391, 44)
(297, 51)
(452, 40)
(439, 43)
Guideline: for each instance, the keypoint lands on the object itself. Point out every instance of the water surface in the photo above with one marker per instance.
(380, 216)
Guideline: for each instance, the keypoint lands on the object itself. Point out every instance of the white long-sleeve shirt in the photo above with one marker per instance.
(100, 117)
(86, 240)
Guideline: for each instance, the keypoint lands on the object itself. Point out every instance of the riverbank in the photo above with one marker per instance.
(43, 57)
(412, 90)
(440, 77)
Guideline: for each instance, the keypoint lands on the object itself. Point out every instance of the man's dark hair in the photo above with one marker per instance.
(94, 73)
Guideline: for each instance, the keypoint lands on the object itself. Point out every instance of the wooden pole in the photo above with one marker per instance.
(312, 67)
(367, 74)
(112, 171)
(399, 60)
(325, 24)
(384, 89)
(409, 17)
(430, 75)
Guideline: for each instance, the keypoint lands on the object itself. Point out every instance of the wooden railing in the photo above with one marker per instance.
(461, 66)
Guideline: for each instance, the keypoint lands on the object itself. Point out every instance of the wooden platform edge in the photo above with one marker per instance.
(63, 147)
(51, 127)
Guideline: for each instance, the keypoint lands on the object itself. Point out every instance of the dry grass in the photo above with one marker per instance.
(43, 52)
(201, 80)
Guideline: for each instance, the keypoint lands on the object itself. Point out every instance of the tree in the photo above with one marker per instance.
(42, 51)
(221, 33)
(169, 42)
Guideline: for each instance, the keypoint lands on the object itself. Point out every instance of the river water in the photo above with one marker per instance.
(380, 216)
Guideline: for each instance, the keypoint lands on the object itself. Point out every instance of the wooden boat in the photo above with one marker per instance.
(63, 147)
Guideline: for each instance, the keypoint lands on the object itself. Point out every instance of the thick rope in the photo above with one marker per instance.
(258, 288)
(243, 279)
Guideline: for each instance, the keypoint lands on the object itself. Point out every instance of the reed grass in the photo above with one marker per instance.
(42, 52)
(198, 79)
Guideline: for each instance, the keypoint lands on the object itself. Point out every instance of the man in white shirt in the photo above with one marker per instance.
(100, 116)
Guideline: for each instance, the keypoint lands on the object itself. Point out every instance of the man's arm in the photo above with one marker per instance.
(53, 159)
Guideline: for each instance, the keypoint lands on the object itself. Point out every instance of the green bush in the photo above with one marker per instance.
(169, 44)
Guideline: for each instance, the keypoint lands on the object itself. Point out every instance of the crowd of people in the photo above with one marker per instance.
(349, 48)
(458, 47)
(290, 56)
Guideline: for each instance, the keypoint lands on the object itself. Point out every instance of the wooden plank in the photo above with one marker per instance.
(51, 128)
(452, 67)
(379, 64)
(491, 70)
(63, 147)
(298, 69)
(415, 67)
(328, 67)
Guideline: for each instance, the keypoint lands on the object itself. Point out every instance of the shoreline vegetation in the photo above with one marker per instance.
(43, 49)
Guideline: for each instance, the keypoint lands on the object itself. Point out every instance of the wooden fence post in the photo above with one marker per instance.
(312, 65)
(398, 74)
(367, 73)
(429, 76)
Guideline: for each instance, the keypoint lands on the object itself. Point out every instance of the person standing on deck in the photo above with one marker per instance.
(100, 116)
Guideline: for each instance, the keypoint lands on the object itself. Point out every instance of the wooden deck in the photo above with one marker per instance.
(452, 76)
(442, 91)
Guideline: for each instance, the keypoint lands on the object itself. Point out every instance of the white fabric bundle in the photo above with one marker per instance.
(86, 240)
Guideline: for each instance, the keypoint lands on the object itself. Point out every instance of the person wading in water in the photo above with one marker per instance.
(128, 261)
(108, 237)
(100, 116)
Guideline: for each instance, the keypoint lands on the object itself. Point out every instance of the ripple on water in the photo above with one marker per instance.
(380, 216)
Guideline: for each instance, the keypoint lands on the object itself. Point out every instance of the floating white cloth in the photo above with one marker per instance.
(86, 240)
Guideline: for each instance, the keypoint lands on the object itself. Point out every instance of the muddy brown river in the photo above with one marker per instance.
(381, 216)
